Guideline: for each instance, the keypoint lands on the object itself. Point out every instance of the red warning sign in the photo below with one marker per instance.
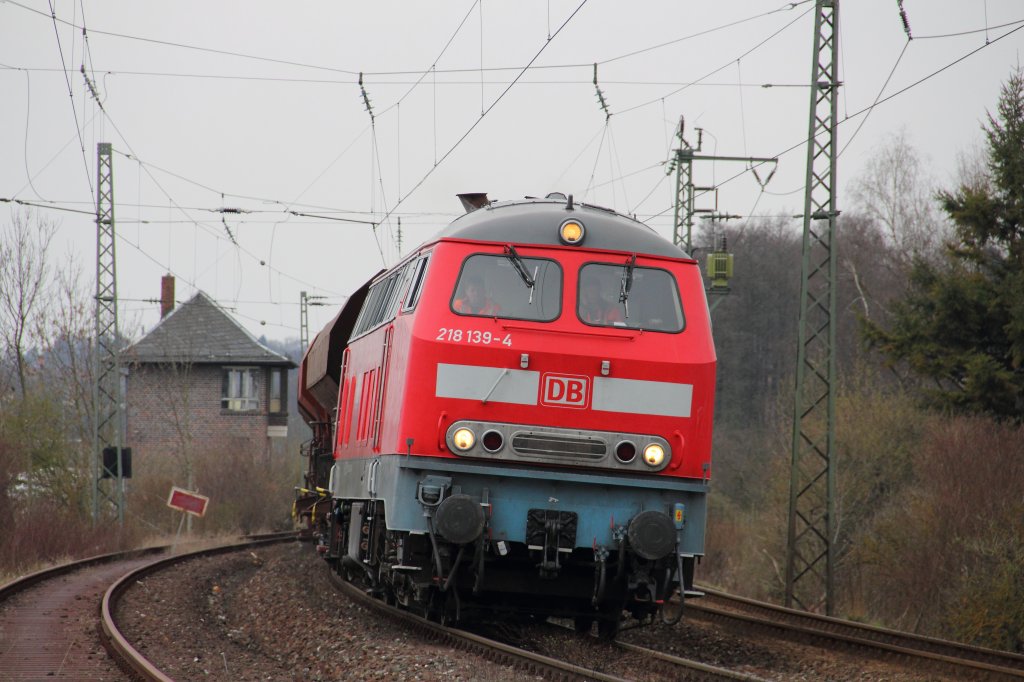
(183, 500)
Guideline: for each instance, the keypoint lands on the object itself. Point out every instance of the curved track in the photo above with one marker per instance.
(130, 658)
(549, 668)
(683, 668)
(940, 656)
(48, 618)
(47, 626)
(693, 669)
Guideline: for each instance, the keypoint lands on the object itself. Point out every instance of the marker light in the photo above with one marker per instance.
(654, 454)
(492, 441)
(571, 232)
(463, 439)
(625, 452)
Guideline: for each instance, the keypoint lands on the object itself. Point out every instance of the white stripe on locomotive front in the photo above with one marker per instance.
(522, 387)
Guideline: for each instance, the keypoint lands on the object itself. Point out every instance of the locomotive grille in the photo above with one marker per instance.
(550, 444)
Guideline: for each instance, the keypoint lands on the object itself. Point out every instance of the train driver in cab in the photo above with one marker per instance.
(474, 300)
(594, 308)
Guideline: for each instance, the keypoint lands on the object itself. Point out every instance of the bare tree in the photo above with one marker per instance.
(896, 191)
(24, 280)
(65, 332)
(972, 168)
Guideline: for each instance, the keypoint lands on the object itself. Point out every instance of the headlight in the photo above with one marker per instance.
(463, 439)
(654, 454)
(571, 232)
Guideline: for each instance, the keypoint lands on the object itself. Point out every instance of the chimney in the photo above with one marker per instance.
(166, 295)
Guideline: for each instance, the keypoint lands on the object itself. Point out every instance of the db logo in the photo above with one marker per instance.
(565, 390)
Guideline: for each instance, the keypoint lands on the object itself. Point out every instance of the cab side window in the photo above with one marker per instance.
(418, 274)
(387, 294)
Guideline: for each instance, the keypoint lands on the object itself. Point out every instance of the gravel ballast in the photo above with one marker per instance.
(271, 614)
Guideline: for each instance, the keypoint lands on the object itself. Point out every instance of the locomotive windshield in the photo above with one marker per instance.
(651, 301)
(493, 286)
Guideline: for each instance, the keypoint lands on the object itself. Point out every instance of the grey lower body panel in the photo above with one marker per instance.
(601, 502)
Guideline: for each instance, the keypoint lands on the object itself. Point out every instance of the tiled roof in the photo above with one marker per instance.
(200, 331)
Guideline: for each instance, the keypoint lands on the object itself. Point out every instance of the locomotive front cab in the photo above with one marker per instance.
(542, 439)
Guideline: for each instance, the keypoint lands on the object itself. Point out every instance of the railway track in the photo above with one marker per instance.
(48, 618)
(677, 666)
(693, 668)
(940, 656)
(534, 663)
(48, 626)
(490, 649)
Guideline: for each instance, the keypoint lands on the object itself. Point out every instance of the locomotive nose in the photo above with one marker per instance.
(652, 535)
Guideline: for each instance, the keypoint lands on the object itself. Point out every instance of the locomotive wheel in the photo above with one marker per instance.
(611, 618)
(583, 624)
(435, 607)
(608, 628)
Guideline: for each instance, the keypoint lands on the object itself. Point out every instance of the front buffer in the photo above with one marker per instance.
(456, 540)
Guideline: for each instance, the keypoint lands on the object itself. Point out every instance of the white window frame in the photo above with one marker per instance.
(239, 390)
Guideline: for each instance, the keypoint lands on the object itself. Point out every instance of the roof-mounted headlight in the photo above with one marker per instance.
(571, 232)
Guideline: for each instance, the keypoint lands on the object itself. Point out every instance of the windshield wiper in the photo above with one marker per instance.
(520, 266)
(627, 283)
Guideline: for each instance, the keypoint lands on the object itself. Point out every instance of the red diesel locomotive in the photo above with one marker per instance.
(516, 419)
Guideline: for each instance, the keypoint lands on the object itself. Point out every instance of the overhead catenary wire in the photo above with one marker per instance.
(582, 80)
(746, 53)
(28, 114)
(868, 108)
(984, 30)
(66, 205)
(621, 176)
(353, 72)
(597, 157)
(614, 149)
(71, 96)
(197, 223)
(486, 111)
(881, 90)
(185, 46)
(743, 113)
(583, 151)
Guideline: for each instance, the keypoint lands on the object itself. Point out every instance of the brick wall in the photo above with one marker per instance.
(165, 405)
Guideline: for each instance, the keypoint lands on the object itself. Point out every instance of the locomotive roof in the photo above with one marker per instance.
(536, 221)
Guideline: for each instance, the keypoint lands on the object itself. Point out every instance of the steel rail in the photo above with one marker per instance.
(490, 649)
(23, 583)
(960, 659)
(699, 670)
(128, 656)
(705, 671)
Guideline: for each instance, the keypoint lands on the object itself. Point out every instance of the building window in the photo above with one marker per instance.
(238, 390)
(278, 392)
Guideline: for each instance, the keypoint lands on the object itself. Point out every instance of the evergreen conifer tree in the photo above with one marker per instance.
(961, 325)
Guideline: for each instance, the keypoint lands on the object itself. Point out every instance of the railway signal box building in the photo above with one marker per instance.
(200, 384)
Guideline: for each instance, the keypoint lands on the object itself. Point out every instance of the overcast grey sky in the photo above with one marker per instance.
(256, 106)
